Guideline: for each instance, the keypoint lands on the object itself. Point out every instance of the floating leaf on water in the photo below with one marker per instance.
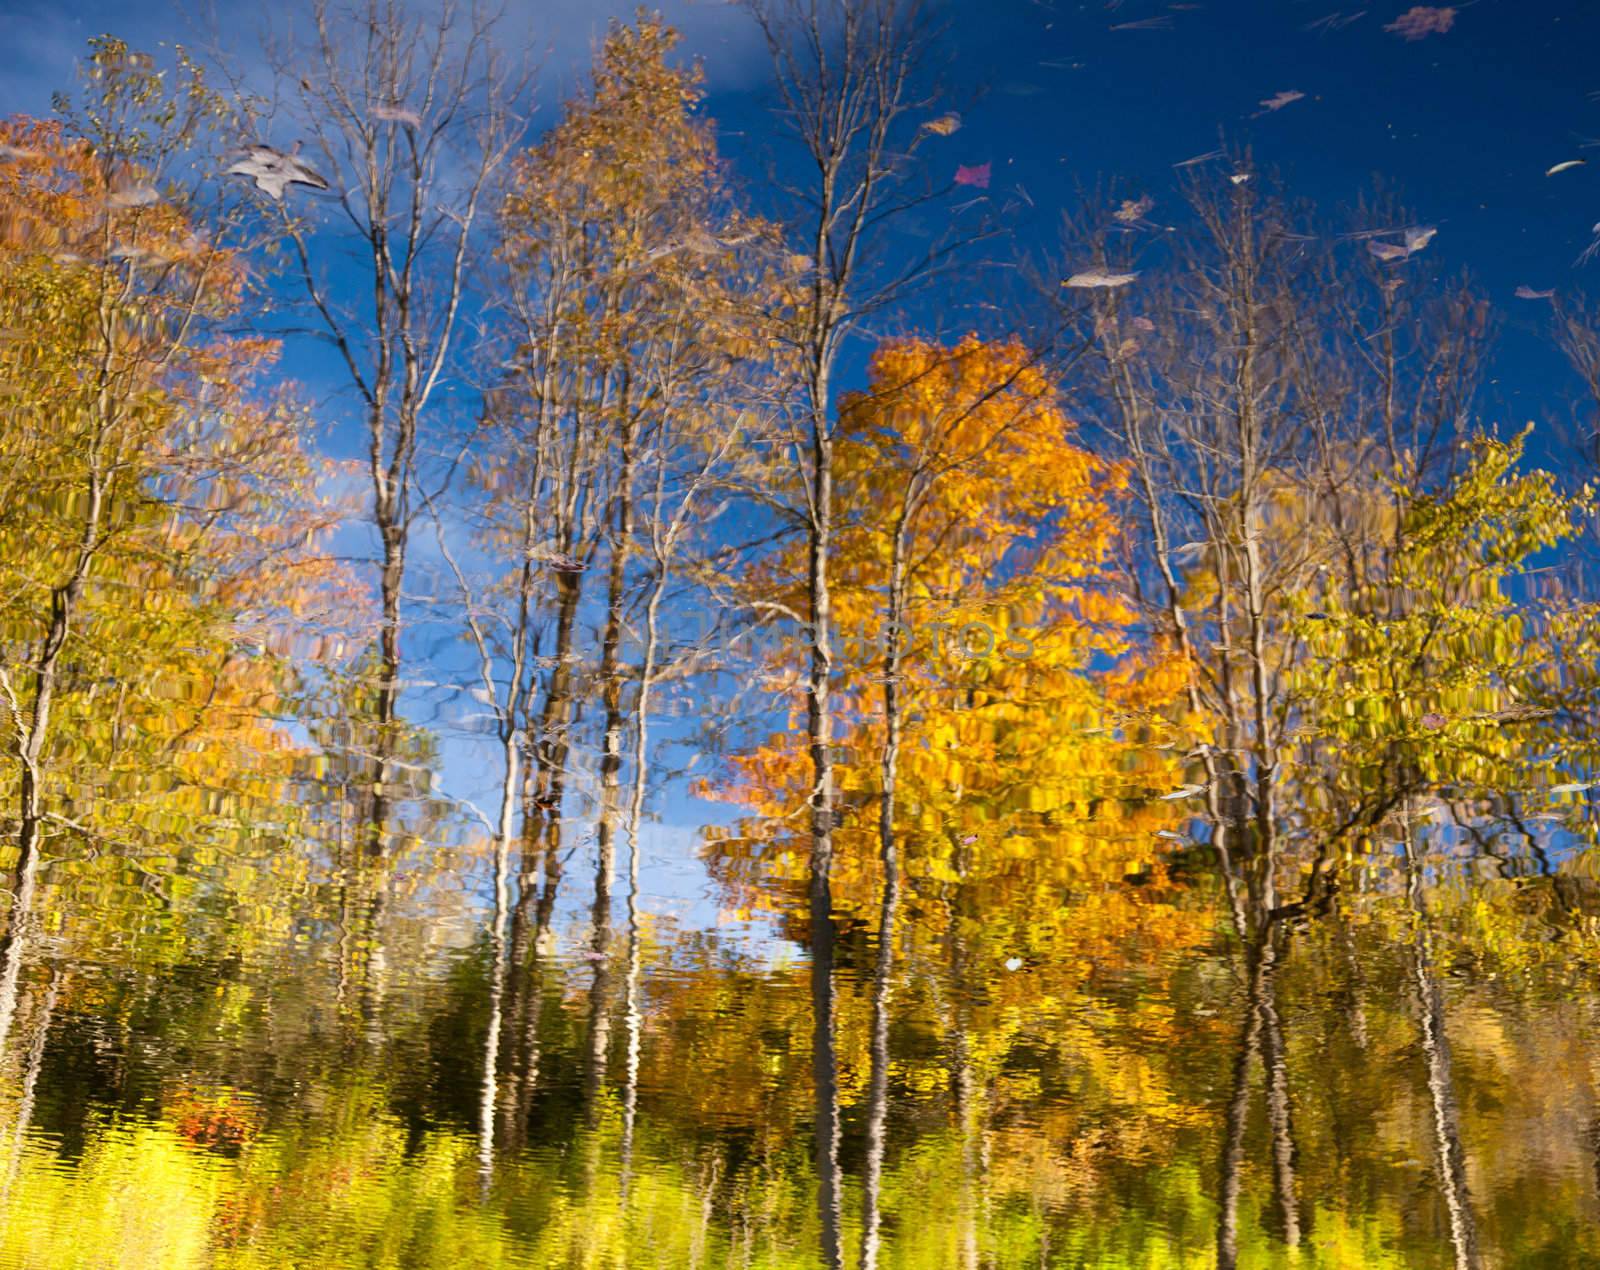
(1184, 791)
(1279, 100)
(1013, 963)
(975, 175)
(1528, 293)
(1574, 787)
(273, 171)
(1419, 236)
(1099, 278)
(1422, 20)
(1563, 166)
(945, 125)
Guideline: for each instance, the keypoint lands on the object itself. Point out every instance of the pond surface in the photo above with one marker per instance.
(1086, 1065)
(910, 682)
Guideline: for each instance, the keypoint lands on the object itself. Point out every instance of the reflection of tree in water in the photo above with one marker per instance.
(1072, 958)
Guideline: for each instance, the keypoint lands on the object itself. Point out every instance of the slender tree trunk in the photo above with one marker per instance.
(1271, 947)
(599, 1019)
(543, 789)
(819, 718)
(551, 745)
(610, 773)
(388, 702)
(963, 1078)
(499, 952)
(1449, 1155)
(1232, 1169)
(389, 513)
(641, 724)
(1275, 1064)
(888, 856)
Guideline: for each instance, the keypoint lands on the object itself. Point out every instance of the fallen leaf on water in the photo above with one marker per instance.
(944, 125)
(1279, 100)
(1099, 278)
(977, 175)
(1562, 167)
(1416, 238)
(1133, 209)
(1422, 20)
(1419, 236)
(1183, 791)
(1528, 293)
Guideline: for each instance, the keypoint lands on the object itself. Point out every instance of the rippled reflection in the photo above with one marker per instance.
(1111, 788)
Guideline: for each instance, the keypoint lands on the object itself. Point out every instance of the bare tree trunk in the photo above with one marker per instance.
(845, 76)
(551, 742)
(393, 529)
(611, 679)
(599, 1019)
(1272, 944)
(641, 725)
(963, 1078)
(635, 1021)
(1232, 1169)
(499, 950)
(819, 722)
(1449, 1156)
(888, 856)
(544, 789)
(1274, 1061)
